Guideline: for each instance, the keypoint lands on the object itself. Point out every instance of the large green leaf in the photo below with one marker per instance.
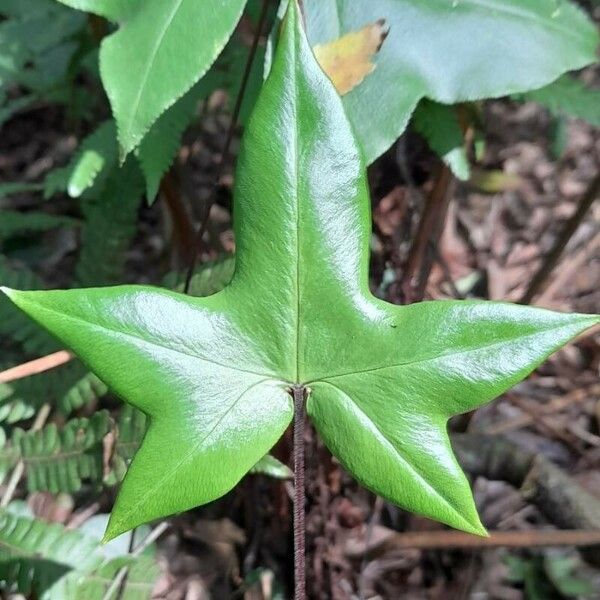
(157, 56)
(568, 96)
(452, 51)
(214, 374)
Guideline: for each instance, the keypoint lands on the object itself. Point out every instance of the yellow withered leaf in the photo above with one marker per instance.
(349, 59)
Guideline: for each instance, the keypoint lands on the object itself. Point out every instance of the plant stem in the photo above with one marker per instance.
(571, 226)
(299, 395)
(418, 267)
(227, 146)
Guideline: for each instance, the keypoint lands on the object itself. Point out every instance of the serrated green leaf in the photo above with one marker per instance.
(568, 96)
(115, 10)
(452, 51)
(159, 147)
(438, 124)
(214, 374)
(157, 56)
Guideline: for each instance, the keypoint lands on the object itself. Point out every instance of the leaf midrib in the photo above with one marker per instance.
(397, 452)
(437, 357)
(194, 449)
(149, 64)
(120, 332)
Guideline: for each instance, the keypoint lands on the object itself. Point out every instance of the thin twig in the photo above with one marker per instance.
(557, 404)
(428, 540)
(418, 266)
(19, 469)
(570, 227)
(299, 395)
(227, 146)
(569, 268)
(79, 518)
(34, 367)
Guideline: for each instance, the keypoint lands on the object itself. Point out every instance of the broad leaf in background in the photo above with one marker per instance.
(438, 124)
(568, 96)
(349, 59)
(158, 54)
(214, 373)
(452, 51)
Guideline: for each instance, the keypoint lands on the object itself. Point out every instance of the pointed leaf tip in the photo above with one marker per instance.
(6, 290)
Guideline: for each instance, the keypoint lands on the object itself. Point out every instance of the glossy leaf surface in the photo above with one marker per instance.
(452, 51)
(158, 54)
(214, 373)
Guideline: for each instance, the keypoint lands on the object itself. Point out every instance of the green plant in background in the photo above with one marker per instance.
(216, 375)
(552, 575)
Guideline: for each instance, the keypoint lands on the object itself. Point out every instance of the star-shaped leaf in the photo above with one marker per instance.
(214, 373)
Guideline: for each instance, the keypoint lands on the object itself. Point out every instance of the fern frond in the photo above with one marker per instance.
(110, 224)
(142, 573)
(131, 428)
(68, 388)
(160, 145)
(13, 323)
(17, 187)
(14, 223)
(11, 108)
(35, 556)
(91, 165)
(49, 562)
(568, 96)
(61, 460)
(438, 124)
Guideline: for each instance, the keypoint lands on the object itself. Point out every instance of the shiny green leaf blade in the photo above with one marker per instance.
(387, 423)
(214, 373)
(445, 50)
(225, 408)
(158, 55)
